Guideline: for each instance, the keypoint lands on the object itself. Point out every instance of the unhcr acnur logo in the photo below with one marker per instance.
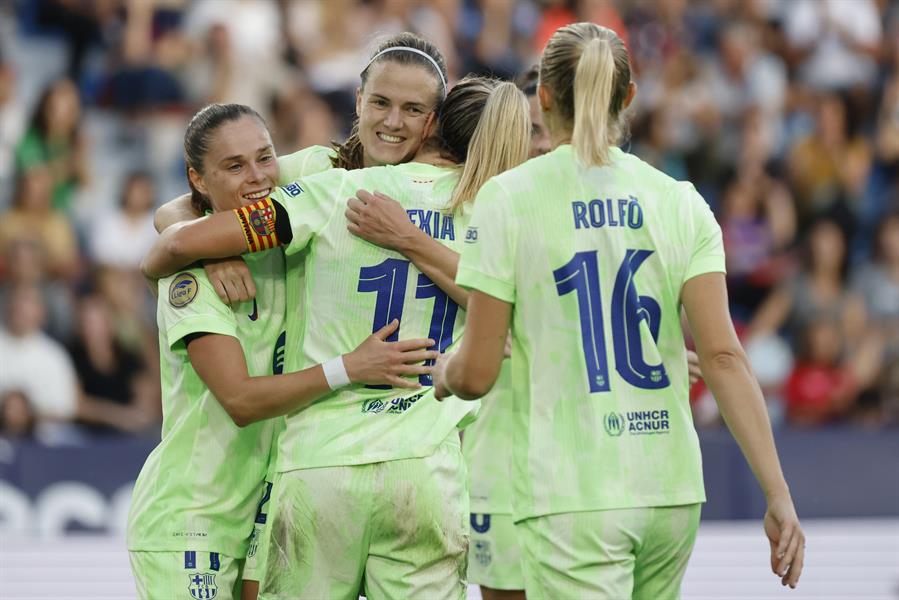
(614, 424)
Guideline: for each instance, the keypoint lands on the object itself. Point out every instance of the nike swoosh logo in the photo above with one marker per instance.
(255, 314)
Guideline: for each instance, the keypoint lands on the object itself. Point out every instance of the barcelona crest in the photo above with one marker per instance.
(202, 586)
(262, 220)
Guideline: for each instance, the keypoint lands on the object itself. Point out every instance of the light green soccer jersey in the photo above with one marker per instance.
(594, 260)
(352, 288)
(487, 447)
(200, 487)
(303, 163)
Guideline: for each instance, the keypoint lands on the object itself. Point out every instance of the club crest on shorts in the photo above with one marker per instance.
(202, 586)
(482, 552)
(183, 290)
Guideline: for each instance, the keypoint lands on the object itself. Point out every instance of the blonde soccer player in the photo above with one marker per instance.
(589, 254)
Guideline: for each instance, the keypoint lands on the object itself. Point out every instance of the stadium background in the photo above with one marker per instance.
(784, 113)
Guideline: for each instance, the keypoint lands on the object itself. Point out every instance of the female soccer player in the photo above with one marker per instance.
(401, 87)
(371, 481)
(596, 251)
(494, 552)
(194, 499)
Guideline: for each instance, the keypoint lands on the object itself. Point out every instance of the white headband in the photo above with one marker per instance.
(416, 51)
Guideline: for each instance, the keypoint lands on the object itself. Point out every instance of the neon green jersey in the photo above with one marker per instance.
(200, 487)
(594, 260)
(487, 448)
(303, 163)
(352, 288)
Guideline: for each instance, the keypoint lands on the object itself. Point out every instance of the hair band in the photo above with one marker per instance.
(415, 51)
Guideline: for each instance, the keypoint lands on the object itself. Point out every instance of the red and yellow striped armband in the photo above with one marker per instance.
(258, 224)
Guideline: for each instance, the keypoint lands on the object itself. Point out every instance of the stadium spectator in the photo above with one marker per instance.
(118, 391)
(834, 43)
(54, 140)
(24, 263)
(32, 217)
(829, 167)
(817, 292)
(823, 385)
(34, 365)
(121, 237)
(16, 415)
(12, 126)
(877, 281)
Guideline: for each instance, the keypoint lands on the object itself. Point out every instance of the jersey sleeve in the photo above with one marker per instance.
(188, 304)
(706, 253)
(303, 163)
(309, 204)
(487, 263)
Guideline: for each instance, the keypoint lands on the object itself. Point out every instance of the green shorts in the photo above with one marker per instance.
(638, 553)
(191, 575)
(395, 529)
(494, 555)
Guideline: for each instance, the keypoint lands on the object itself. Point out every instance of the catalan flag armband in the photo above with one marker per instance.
(258, 223)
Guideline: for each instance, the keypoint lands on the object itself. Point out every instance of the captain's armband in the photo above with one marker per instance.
(258, 224)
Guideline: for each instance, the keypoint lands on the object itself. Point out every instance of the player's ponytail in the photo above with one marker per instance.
(500, 139)
(592, 94)
(586, 69)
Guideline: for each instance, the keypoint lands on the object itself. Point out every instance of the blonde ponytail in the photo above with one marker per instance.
(593, 80)
(587, 70)
(500, 141)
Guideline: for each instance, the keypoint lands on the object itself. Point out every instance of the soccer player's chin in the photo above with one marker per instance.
(390, 154)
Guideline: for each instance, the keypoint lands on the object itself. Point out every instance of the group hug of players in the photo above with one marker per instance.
(313, 394)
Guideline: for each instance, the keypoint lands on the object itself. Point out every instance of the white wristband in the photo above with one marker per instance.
(335, 373)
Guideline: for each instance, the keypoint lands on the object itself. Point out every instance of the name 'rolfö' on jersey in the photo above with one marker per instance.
(621, 212)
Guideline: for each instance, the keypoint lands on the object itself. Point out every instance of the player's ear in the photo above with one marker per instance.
(358, 102)
(631, 92)
(545, 97)
(430, 125)
(196, 181)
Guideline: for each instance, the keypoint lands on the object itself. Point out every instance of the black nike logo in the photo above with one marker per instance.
(255, 313)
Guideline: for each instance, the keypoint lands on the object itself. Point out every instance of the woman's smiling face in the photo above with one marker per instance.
(240, 167)
(395, 107)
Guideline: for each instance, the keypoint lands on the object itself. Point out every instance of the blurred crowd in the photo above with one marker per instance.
(783, 113)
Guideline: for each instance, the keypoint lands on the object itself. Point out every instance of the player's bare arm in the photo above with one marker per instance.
(218, 235)
(220, 363)
(727, 372)
(381, 220)
(174, 211)
(471, 372)
(230, 277)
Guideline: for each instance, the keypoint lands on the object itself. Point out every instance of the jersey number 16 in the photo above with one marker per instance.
(581, 276)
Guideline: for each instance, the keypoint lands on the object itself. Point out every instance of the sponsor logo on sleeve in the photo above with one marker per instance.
(637, 422)
(183, 290)
(471, 236)
(292, 189)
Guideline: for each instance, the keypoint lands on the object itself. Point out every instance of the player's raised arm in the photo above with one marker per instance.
(379, 219)
(219, 235)
(175, 211)
(471, 372)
